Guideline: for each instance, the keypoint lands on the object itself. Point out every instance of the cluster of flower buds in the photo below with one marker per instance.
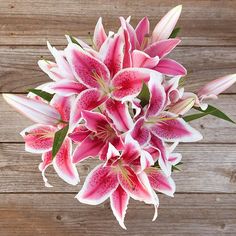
(121, 102)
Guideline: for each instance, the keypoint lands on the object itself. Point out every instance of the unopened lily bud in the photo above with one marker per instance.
(215, 87)
(166, 25)
(35, 110)
(183, 106)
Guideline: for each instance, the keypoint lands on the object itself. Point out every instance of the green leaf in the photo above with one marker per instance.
(174, 168)
(73, 40)
(59, 139)
(209, 111)
(182, 81)
(45, 95)
(194, 116)
(175, 32)
(144, 95)
(177, 167)
(215, 112)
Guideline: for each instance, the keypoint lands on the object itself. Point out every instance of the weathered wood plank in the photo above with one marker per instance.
(19, 69)
(32, 23)
(61, 214)
(213, 129)
(206, 169)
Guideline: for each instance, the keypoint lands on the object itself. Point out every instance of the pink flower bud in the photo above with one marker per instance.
(166, 25)
(215, 87)
(35, 110)
(182, 107)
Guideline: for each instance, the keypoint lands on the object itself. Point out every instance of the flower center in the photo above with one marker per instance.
(154, 120)
(103, 85)
(105, 132)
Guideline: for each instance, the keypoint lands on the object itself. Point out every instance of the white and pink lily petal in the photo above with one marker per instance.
(38, 138)
(66, 87)
(62, 164)
(119, 200)
(142, 32)
(119, 113)
(170, 127)
(99, 35)
(160, 182)
(111, 54)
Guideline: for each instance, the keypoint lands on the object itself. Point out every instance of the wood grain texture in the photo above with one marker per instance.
(206, 169)
(19, 69)
(213, 129)
(205, 203)
(61, 214)
(30, 22)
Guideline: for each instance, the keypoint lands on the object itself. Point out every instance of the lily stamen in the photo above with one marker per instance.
(160, 119)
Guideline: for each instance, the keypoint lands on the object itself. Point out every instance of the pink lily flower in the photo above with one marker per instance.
(59, 70)
(96, 76)
(39, 139)
(116, 179)
(97, 133)
(158, 125)
(64, 83)
(160, 46)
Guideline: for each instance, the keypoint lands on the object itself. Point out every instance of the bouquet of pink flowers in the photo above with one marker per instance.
(121, 102)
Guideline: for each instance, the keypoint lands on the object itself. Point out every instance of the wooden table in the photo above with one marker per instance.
(205, 202)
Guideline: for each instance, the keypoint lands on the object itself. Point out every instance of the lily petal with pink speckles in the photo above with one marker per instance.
(79, 134)
(67, 87)
(112, 54)
(94, 121)
(63, 105)
(86, 100)
(119, 202)
(98, 186)
(131, 33)
(128, 83)
(62, 164)
(38, 138)
(87, 69)
(140, 132)
(160, 182)
(175, 130)
(119, 114)
(130, 182)
(163, 160)
(99, 36)
(46, 162)
(157, 96)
